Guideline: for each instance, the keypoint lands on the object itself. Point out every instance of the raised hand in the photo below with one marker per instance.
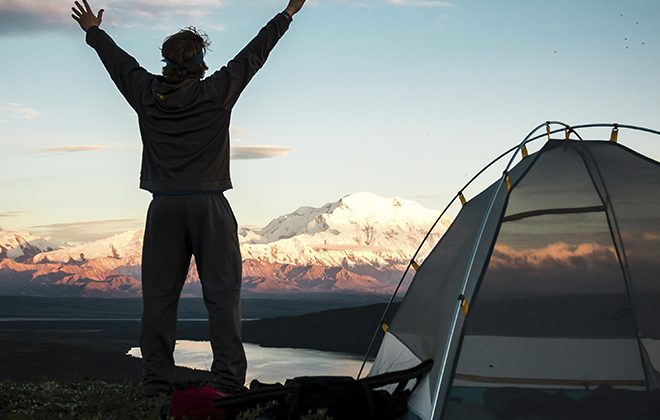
(85, 17)
(294, 6)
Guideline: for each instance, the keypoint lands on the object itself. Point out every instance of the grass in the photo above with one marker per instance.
(95, 400)
(80, 400)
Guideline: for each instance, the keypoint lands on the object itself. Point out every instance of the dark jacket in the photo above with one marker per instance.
(185, 126)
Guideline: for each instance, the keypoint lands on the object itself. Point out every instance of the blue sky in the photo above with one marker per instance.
(401, 98)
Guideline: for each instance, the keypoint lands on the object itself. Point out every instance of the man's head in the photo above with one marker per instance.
(183, 54)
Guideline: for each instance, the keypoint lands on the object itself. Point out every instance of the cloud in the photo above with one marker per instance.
(259, 152)
(421, 3)
(11, 214)
(558, 253)
(11, 111)
(33, 16)
(652, 237)
(241, 132)
(561, 268)
(74, 149)
(20, 17)
(555, 269)
(132, 12)
(88, 230)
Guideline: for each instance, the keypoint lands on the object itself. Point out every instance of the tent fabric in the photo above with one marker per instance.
(561, 273)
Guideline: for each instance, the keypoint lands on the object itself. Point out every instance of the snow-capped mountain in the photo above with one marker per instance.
(22, 246)
(360, 243)
(359, 229)
(125, 247)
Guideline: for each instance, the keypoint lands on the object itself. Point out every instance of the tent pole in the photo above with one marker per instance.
(414, 257)
(528, 139)
(445, 359)
(435, 412)
(398, 286)
(452, 332)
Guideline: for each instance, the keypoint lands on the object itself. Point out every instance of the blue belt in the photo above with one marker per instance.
(179, 193)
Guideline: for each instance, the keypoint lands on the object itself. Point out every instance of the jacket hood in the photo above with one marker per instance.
(175, 95)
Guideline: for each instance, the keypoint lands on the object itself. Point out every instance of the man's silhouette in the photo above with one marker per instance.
(184, 124)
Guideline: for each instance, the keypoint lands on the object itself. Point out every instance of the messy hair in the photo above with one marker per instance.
(181, 47)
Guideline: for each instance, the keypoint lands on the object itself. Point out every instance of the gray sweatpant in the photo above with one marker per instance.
(177, 227)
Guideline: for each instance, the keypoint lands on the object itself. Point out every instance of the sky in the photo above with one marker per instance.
(405, 98)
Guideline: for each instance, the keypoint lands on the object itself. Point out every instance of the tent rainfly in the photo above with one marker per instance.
(542, 299)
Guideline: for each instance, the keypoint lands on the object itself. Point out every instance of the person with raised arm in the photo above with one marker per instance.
(184, 124)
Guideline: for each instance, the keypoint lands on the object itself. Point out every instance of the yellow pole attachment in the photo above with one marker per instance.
(567, 133)
(385, 327)
(462, 198)
(414, 265)
(614, 136)
(547, 129)
(465, 306)
(508, 183)
(524, 151)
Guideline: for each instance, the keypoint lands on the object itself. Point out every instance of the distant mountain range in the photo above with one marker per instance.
(360, 243)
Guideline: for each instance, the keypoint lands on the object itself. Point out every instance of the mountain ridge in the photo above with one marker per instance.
(360, 243)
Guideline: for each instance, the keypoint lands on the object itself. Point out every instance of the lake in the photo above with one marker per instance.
(270, 364)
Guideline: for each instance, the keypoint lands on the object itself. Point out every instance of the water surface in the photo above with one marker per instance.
(270, 364)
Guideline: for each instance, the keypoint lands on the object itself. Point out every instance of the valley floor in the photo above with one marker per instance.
(95, 349)
(79, 368)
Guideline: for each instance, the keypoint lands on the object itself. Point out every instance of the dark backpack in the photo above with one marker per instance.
(320, 397)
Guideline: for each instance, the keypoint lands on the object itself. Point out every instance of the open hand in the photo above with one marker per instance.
(294, 6)
(85, 17)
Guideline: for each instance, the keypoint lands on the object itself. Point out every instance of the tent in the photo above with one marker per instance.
(544, 293)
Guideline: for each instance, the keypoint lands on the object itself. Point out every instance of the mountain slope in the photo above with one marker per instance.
(22, 246)
(359, 229)
(360, 243)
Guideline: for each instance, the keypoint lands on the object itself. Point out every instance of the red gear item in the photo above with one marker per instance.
(196, 403)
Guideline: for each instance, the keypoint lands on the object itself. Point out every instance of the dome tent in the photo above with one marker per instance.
(544, 292)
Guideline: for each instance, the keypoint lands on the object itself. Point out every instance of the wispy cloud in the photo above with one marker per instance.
(87, 230)
(31, 16)
(74, 149)
(11, 214)
(563, 268)
(262, 151)
(652, 237)
(239, 132)
(422, 3)
(558, 253)
(12, 111)
(377, 3)
(257, 151)
(20, 17)
(130, 13)
(361, 4)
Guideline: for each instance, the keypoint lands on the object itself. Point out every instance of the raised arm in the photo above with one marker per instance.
(228, 82)
(124, 70)
(85, 17)
(294, 7)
